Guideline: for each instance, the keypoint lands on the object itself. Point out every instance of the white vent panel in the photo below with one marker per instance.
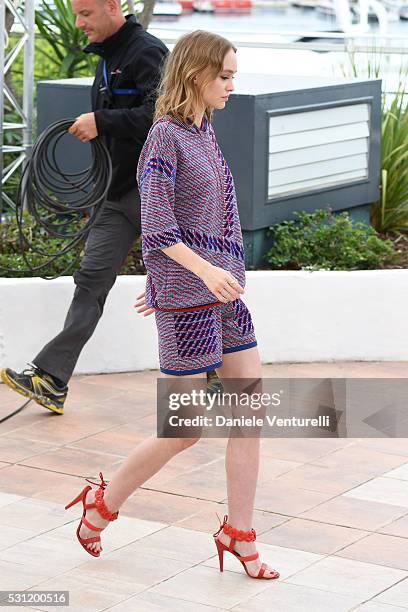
(317, 149)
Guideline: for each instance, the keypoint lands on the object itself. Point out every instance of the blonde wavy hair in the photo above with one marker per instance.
(192, 54)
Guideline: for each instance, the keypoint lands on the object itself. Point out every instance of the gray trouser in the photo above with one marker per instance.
(109, 241)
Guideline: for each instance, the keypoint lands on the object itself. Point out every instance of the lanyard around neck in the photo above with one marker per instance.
(117, 91)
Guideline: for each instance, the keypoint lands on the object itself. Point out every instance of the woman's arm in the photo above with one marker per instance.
(156, 176)
(220, 282)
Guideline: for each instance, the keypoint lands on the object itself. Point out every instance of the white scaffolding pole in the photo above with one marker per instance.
(10, 49)
(2, 45)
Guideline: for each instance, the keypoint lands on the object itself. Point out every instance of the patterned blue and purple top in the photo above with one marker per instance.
(187, 195)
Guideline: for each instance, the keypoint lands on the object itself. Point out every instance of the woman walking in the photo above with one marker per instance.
(194, 256)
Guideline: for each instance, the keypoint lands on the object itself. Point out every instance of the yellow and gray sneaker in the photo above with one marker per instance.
(38, 386)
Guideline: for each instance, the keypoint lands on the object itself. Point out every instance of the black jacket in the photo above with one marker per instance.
(134, 59)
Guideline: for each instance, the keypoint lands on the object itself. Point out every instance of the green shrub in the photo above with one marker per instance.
(11, 257)
(390, 212)
(11, 247)
(322, 240)
(56, 25)
(133, 264)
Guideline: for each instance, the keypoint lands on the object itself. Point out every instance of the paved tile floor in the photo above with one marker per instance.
(331, 514)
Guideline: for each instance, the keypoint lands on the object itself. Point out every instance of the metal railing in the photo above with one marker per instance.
(387, 45)
(389, 49)
(290, 39)
(24, 16)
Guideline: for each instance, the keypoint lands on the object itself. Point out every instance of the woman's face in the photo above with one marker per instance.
(216, 93)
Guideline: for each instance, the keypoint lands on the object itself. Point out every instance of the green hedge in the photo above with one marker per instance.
(323, 240)
(319, 240)
(10, 252)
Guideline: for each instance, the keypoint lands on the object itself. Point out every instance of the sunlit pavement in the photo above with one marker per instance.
(331, 513)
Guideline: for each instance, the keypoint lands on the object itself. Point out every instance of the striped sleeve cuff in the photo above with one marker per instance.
(160, 240)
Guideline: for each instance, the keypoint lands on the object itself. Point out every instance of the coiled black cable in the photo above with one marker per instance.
(57, 199)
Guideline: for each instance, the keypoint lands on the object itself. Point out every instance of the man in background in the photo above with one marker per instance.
(123, 97)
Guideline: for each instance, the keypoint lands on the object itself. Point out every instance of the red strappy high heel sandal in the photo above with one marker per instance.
(99, 504)
(235, 534)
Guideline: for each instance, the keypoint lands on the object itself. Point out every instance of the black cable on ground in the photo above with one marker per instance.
(15, 411)
(57, 199)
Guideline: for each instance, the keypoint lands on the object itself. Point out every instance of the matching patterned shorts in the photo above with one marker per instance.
(193, 342)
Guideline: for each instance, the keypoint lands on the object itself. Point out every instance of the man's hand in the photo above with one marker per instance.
(84, 127)
(141, 306)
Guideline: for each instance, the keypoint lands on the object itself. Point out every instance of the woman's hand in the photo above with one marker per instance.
(221, 283)
(141, 306)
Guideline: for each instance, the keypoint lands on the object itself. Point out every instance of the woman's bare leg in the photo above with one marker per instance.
(147, 458)
(242, 459)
